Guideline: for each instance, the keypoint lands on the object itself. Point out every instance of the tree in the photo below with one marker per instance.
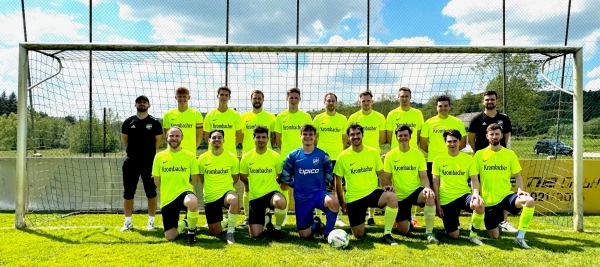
(79, 137)
(3, 103)
(11, 104)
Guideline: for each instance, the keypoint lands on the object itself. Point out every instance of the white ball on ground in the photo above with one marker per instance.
(338, 238)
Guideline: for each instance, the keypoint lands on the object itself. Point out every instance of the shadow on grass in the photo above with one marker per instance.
(89, 233)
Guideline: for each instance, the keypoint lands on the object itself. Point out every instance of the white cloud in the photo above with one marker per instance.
(42, 25)
(94, 2)
(593, 73)
(593, 85)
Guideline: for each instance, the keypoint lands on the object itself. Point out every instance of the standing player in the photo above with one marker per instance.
(308, 170)
(432, 139)
(374, 127)
(451, 174)
(332, 138)
(360, 165)
(406, 168)
(142, 135)
(219, 171)
(175, 174)
(226, 119)
(478, 130)
(256, 117)
(405, 115)
(496, 165)
(187, 119)
(261, 168)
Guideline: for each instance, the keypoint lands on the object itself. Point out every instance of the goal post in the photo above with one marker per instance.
(353, 68)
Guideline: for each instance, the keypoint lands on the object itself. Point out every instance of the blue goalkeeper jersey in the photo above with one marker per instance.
(307, 173)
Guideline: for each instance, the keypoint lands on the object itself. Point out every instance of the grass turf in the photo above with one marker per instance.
(95, 240)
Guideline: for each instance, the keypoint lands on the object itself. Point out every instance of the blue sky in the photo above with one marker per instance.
(401, 22)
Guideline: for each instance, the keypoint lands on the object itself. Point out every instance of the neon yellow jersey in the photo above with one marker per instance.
(262, 171)
(330, 130)
(372, 125)
(434, 129)
(249, 121)
(229, 121)
(174, 170)
(217, 171)
(405, 168)
(454, 173)
(360, 171)
(495, 170)
(413, 118)
(188, 121)
(288, 125)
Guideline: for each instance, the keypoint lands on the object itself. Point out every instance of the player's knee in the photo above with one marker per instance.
(170, 236)
(454, 235)
(430, 202)
(479, 209)
(215, 230)
(304, 234)
(402, 228)
(530, 202)
(493, 234)
(128, 195)
(332, 203)
(151, 194)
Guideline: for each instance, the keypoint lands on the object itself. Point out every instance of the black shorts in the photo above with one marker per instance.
(257, 208)
(170, 212)
(494, 215)
(405, 205)
(132, 170)
(429, 174)
(452, 211)
(214, 210)
(357, 210)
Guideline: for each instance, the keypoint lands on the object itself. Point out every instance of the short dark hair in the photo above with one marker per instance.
(365, 93)
(216, 131)
(293, 90)
(453, 133)
(224, 88)
(443, 98)
(261, 129)
(491, 92)
(328, 94)
(182, 90)
(355, 126)
(308, 128)
(257, 92)
(404, 88)
(493, 127)
(403, 127)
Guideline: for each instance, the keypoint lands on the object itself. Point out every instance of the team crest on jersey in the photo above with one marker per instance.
(149, 126)
(500, 122)
(316, 161)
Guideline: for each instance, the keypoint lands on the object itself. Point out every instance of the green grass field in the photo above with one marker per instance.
(95, 240)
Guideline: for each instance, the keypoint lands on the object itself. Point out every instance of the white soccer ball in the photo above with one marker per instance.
(338, 238)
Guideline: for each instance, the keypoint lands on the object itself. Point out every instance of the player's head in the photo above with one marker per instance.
(257, 97)
(404, 95)
(293, 97)
(365, 99)
(443, 105)
(403, 134)
(452, 138)
(355, 134)
(494, 134)
(330, 101)
(261, 136)
(223, 94)
(490, 100)
(216, 138)
(308, 133)
(142, 104)
(182, 94)
(174, 137)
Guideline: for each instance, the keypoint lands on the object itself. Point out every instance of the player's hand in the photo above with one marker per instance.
(439, 211)
(284, 186)
(343, 207)
(389, 188)
(428, 193)
(521, 193)
(476, 200)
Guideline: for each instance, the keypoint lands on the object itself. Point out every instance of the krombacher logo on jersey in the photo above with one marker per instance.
(174, 169)
(183, 125)
(292, 127)
(495, 167)
(251, 126)
(405, 168)
(222, 126)
(330, 129)
(411, 125)
(261, 170)
(221, 171)
(453, 172)
(361, 170)
(370, 128)
(439, 131)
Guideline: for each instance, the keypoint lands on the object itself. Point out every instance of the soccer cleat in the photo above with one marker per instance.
(521, 242)
(371, 222)
(506, 226)
(277, 235)
(388, 239)
(475, 240)
(150, 226)
(229, 238)
(431, 238)
(127, 226)
(191, 236)
(414, 223)
(339, 222)
(245, 222)
(320, 229)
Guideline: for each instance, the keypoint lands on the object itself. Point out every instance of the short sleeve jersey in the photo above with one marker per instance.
(360, 171)
(229, 121)
(413, 118)
(262, 171)
(479, 126)
(372, 125)
(330, 130)
(288, 125)
(434, 129)
(217, 171)
(405, 168)
(188, 121)
(141, 136)
(454, 173)
(308, 173)
(249, 121)
(495, 170)
(174, 170)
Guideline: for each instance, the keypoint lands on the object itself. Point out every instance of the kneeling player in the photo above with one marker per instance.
(219, 171)
(308, 170)
(451, 174)
(261, 169)
(496, 165)
(172, 169)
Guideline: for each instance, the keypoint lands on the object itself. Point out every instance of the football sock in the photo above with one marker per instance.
(181, 225)
(477, 222)
(371, 212)
(267, 219)
(128, 219)
(429, 212)
(192, 218)
(390, 217)
(525, 220)
(279, 217)
(246, 204)
(224, 223)
(231, 222)
(330, 217)
(150, 218)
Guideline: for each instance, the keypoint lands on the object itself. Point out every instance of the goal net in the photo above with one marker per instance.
(77, 96)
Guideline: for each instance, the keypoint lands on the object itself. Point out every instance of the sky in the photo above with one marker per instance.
(334, 22)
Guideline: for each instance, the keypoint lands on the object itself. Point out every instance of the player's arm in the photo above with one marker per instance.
(157, 181)
(239, 137)
(206, 137)
(199, 136)
(475, 185)
(194, 179)
(388, 136)
(339, 190)
(278, 139)
(463, 143)
(344, 140)
(157, 140)
(418, 137)
(286, 174)
(382, 137)
(472, 140)
(244, 178)
(436, 191)
(519, 181)
(125, 139)
(424, 179)
(385, 178)
(201, 178)
(236, 178)
(507, 139)
(424, 141)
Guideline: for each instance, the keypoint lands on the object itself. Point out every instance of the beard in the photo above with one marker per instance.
(490, 106)
(257, 105)
(330, 109)
(495, 143)
(174, 144)
(142, 109)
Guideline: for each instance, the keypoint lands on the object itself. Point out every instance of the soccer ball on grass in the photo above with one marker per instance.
(338, 238)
